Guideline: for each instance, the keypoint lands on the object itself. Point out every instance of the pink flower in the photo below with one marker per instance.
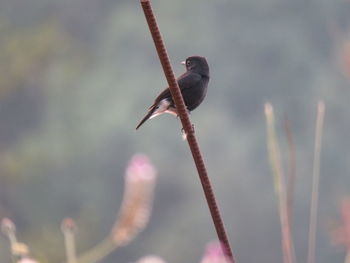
(7, 226)
(137, 201)
(27, 260)
(214, 253)
(140, 168)
(151, 259)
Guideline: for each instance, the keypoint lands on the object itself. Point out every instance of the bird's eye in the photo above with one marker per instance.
(188, 63)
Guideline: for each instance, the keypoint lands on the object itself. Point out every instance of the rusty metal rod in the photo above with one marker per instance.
(187, 126)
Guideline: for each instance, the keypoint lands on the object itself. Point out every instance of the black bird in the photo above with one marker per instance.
(193, 85)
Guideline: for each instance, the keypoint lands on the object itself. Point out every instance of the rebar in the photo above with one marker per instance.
(187, 127)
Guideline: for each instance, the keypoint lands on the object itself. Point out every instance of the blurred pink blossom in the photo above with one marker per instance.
(27, 260)
(137, 201)
(7, 226)
(151, 259)
(140, 168)
(214, 253)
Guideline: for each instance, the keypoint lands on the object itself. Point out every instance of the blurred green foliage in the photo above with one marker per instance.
(76, 77)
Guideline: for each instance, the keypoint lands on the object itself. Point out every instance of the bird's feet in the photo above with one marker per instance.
(184, 134)
(193, 128)
(183, 130)
(178, 116)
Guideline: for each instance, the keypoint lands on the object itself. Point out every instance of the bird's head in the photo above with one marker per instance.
(197, 64)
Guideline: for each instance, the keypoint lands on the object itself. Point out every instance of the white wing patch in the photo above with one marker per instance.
(172, 111)
(162, 107)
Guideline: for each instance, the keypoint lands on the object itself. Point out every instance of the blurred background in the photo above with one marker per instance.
(77, 76)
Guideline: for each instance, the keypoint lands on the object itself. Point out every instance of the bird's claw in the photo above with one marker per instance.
(184, 134)
(183, 129)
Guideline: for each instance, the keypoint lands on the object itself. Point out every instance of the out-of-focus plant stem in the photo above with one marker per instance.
(315, 182)
(291, 170)
(279, 185)
(68, 228)
(347, 258)
(103, 249)
(135, 210)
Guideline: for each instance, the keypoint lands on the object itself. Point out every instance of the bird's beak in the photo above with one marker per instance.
(183, 62)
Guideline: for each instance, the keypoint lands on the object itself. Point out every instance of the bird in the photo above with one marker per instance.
(193, 85)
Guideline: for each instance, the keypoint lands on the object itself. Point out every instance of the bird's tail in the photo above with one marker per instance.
(148, 115)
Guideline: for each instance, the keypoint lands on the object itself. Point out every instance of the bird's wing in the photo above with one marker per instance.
(163, 95)
(188, 80)
(185, 81)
